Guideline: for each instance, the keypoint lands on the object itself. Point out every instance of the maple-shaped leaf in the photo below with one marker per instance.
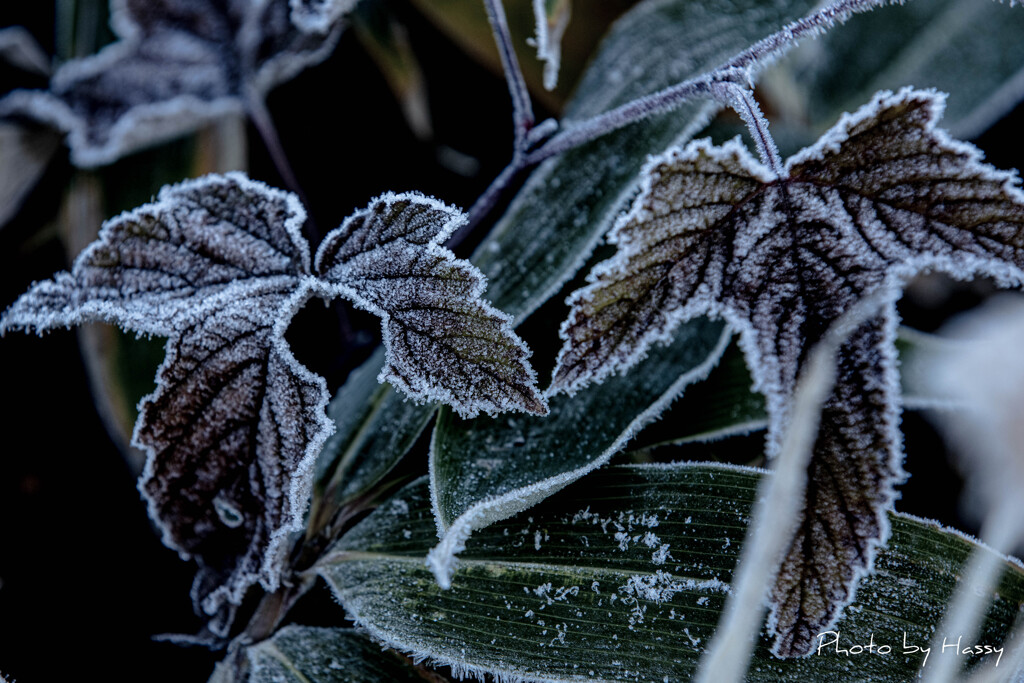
(443, 341)
(219, 267)
(880, 197)
(177, 65)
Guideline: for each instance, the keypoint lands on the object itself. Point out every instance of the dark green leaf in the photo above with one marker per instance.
(376, 426)
(622, 577)
(971, 50)
(484, 470)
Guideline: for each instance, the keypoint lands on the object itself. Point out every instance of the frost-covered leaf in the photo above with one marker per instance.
(308, 654)
(622, 577)
(218, 266)
(722, 405)
(570, 201)
(882, 196)
(319, 16)
(552, 20)
(176, 65)
(485, 470)
(443, 342)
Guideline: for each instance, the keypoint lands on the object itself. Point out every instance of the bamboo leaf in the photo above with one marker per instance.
(969, 49)
(376, 426)
(484, 470)
(622, 577)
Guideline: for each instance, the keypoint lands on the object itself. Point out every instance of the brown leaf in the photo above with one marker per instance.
(218, 266)
(443, 341)
(881, 197)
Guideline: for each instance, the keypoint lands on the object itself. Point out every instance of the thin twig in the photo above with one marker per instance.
(522, 108)
(522, 120)
(264, 124)
(738, 70)
(637, 110)
(741, 100)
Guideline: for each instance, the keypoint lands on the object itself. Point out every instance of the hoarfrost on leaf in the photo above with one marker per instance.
(176, 65)
(219, 267)
(882, 196)
(443, 341)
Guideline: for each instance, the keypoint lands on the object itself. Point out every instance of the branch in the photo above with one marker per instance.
(732, 77)
(487, 201)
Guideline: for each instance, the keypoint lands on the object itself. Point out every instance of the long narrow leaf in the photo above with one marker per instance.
(622, 577)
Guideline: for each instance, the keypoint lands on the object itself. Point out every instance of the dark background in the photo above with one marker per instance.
(84, 582)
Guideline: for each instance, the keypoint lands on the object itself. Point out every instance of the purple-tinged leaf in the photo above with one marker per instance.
(443, 341)
(233, 431)
(219, 266)
(881, 197)
(177, 65)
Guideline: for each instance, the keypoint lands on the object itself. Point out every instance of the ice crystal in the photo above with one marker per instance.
(443, 341)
